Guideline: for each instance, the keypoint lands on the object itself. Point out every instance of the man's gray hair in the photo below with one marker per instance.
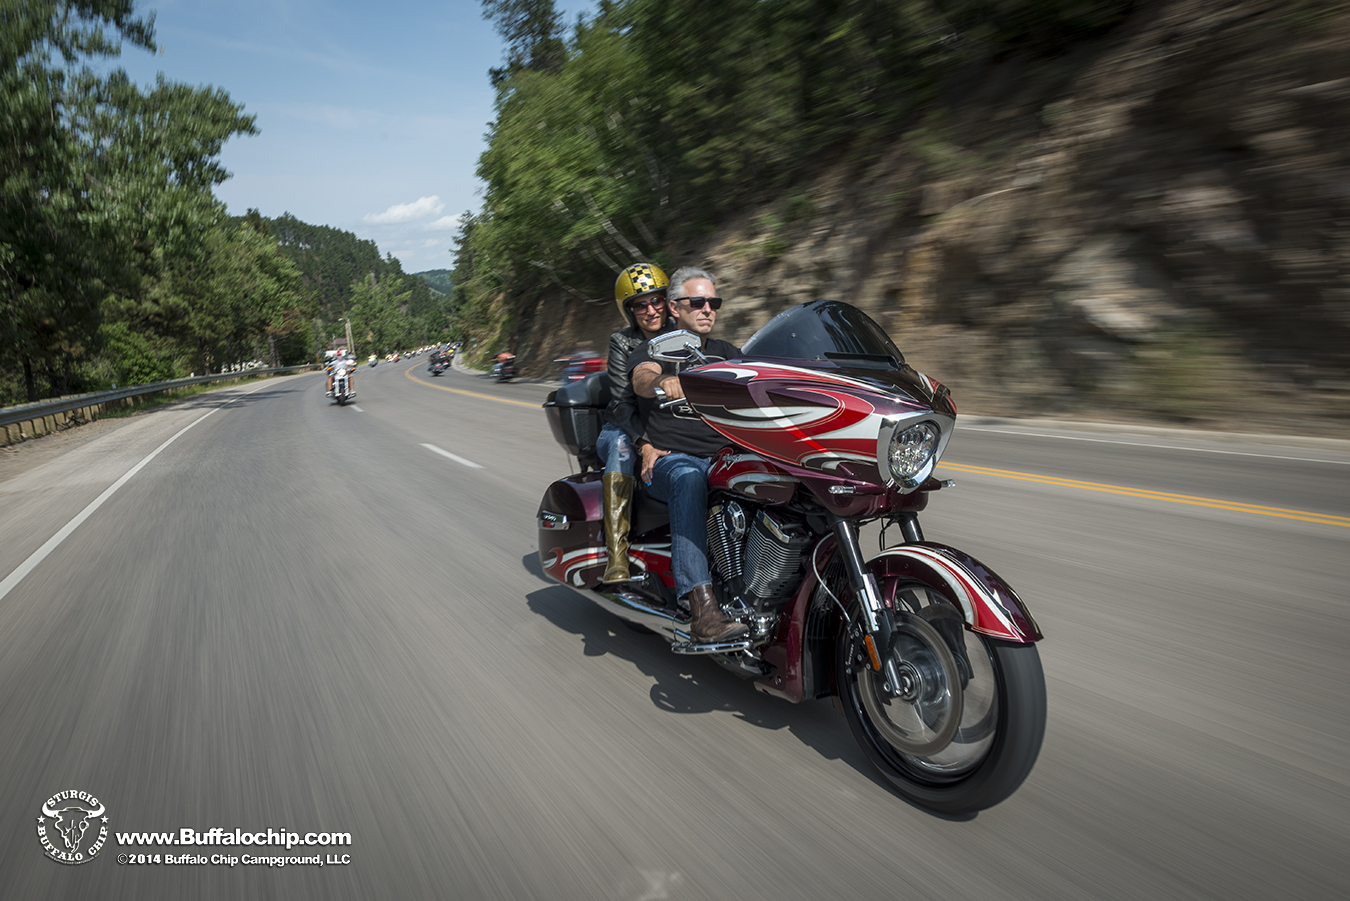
(685, 274)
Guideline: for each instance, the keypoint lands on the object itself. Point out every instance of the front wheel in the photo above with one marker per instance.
(963, 729)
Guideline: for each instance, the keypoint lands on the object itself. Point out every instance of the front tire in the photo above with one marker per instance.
(995, 689)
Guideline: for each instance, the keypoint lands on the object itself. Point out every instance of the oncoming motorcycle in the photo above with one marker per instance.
(928, 653)
(342, 383)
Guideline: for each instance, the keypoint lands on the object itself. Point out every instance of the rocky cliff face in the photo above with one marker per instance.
(1158, 228)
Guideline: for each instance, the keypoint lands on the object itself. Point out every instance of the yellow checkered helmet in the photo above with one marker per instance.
(638, 279)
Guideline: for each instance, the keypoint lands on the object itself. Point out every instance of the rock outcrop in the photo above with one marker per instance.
(1158, 227)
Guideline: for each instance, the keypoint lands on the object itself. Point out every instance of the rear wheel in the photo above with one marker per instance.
(963, 728)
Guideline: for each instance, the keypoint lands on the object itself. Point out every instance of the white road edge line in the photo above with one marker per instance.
(445, 453)
(23, 569)
(357, 409)
(1194, 450)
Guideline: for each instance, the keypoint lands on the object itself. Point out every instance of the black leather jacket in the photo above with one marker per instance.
(623, 411)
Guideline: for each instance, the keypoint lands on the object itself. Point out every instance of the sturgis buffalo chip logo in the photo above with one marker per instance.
(78, 824)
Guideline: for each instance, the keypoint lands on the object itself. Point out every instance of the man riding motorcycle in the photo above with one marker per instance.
(640, 295)
(677, 449)
(349, 361)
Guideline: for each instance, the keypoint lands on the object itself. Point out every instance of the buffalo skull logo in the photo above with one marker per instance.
(72, 821)
(64, 813)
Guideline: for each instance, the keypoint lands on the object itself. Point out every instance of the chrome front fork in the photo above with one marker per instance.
(878, 622)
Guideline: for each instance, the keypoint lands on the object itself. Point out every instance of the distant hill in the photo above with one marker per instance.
(347, 278)
(439, 279)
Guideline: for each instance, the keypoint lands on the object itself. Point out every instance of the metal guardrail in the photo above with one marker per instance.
(34, 412)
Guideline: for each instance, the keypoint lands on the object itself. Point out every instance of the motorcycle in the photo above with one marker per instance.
(575, 369)
(436, 367)
(373, 361)
(505, 369)
(342, 391)
(929, 655)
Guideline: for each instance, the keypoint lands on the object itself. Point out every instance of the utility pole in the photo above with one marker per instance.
(351, 347)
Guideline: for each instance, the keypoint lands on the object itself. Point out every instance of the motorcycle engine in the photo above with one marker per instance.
(759, 557)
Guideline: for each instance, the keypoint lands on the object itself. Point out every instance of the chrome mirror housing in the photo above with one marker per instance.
(679, 346)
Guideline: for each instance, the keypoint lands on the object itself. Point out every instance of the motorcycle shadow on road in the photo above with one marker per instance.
(694, 685)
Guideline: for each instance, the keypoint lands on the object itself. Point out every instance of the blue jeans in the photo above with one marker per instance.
(681, 480)
(616, 449)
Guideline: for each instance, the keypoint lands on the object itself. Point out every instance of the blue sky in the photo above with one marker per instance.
(371, 116)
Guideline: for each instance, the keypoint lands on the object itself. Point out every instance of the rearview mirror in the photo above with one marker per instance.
(676, 347)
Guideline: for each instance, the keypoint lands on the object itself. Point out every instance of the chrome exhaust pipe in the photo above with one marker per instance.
(636, 609)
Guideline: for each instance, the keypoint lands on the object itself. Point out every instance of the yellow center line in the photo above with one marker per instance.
(1148, 494)
(501, 400)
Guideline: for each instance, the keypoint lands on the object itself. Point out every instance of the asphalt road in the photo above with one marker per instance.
(299, 617)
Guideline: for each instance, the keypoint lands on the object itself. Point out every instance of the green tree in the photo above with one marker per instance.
(232, 297)
(379, 314)
(665, 116)
(532, 30)
(100, 182)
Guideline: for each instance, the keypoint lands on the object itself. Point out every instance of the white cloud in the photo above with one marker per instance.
(432, 242)
(406, 212)
(443, 224)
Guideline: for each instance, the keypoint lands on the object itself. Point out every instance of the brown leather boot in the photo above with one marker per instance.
(618, 496)
(709, 623)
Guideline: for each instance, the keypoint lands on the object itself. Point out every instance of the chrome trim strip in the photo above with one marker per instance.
(684, 644)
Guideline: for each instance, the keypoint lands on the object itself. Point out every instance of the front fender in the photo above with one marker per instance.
(989, 604)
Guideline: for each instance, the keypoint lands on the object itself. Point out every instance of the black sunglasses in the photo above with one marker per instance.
(696, 303)
(642, 306)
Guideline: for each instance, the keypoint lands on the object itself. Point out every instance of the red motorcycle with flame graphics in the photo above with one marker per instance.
(928, 653)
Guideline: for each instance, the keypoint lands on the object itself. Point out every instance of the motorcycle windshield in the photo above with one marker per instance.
(826, 330)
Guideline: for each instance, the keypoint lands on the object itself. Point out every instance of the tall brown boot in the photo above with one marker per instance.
(618, 495)
(710, 624)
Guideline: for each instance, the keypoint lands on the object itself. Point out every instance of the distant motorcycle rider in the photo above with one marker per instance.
(349, 362)
(640, 295)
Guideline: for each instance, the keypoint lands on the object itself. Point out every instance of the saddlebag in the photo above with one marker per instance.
(571, 534)
(576, 414)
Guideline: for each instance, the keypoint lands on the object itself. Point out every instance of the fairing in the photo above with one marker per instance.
(827, 401)
(752, 476)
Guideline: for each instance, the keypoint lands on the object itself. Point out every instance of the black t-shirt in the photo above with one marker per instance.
(679, 428)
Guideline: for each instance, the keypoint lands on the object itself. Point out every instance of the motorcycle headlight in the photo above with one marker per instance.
(909, 455)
